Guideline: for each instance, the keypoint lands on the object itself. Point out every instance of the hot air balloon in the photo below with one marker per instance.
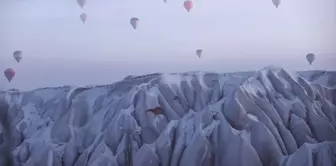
(310, 58)
(276, 3)
(17, 55)
(83, 17)
(199, 52)
(156, 110)
(134, 22)
(9, 74)
(81, 3)
(188, 5)
(165, 1)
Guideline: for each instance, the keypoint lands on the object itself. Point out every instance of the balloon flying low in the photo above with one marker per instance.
(9, 74)
(310, 58)
(17, 55)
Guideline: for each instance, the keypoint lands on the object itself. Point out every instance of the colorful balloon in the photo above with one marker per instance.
(17, 55)
(134, 22)
(9, 74)
(188, 5)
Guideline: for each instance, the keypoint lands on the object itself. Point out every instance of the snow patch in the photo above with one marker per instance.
(252, 117)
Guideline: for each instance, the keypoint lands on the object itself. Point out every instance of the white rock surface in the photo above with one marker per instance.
(268, 117)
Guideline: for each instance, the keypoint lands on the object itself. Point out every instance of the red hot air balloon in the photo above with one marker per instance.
(188, 5)
(9, 74)
(157, 110)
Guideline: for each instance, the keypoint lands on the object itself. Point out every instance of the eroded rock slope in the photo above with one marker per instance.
(263, 118)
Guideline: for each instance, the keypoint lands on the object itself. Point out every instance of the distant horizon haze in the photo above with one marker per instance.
(58, 49)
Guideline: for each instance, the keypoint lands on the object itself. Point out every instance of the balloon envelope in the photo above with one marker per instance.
(81, 3)
(199, 52)
(83, 17)
(276, 3)
(9, 74)
(310, 58)
(17, 55)
(188, 5)
(134, 22)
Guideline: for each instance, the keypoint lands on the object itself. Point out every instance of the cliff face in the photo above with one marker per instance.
(267, 117)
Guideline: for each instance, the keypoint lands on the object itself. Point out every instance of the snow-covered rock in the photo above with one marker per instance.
(266, 117)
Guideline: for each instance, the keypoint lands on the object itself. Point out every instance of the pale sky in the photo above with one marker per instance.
(58, 49)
